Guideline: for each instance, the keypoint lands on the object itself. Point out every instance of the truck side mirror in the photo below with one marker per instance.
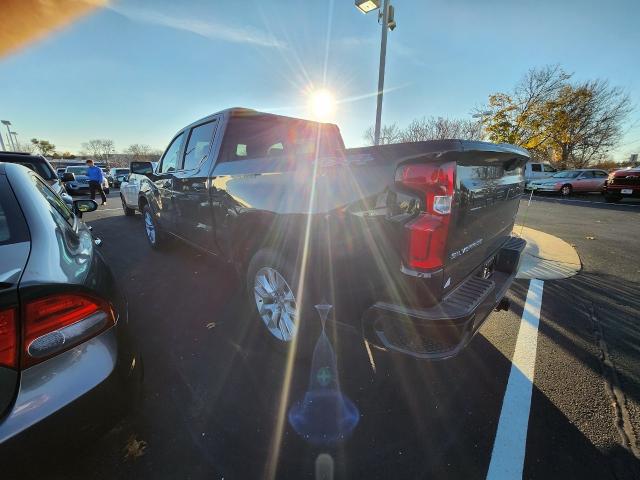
(141, 168)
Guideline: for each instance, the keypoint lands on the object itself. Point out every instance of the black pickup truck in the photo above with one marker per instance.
(410, 242)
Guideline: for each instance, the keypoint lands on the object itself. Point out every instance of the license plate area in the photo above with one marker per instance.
(626, 191)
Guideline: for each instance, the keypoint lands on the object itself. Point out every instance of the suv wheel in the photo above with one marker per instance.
(154, 236)
(127, 211)
(566, 190)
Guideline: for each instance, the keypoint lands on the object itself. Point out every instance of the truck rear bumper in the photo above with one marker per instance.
(443, 330)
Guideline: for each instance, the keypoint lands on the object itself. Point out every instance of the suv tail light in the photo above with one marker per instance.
(58, 322)
(427, 234)
(8, 338)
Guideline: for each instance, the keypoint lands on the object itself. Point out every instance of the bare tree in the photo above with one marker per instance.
(388, 134)
(26, 147)
(441, 128)
(428, 128)
(100, 149)
(137, 150)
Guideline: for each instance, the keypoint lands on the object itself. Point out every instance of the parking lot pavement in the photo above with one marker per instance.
(553, 395)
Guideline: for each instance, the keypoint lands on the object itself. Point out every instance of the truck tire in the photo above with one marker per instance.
(127, 211)
(152, 229)
(272, 292)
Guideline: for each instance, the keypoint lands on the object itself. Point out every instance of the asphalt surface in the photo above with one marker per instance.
(213, 387)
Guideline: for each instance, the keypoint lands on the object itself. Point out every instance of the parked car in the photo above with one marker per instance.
(42, 167)
(410, 242)
(568, 181)
(130, 186)
(116, 175)
(80, 183)
(67, 365)
(537, 171)
(622, 184)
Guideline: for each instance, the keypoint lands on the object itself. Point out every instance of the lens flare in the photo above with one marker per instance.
(322, 104)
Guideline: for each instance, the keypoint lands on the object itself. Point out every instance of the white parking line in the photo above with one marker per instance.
(507, 458)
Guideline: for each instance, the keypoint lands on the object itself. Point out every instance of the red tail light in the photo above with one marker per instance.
(58, 322)
(427, 234)
(8, 338)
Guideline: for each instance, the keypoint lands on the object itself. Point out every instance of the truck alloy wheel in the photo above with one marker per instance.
(150, 227)
(276, 303)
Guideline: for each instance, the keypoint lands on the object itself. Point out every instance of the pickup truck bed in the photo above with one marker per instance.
(414, 237)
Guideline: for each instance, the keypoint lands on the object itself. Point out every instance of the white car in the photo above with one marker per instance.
(81, 183)
(129, 192)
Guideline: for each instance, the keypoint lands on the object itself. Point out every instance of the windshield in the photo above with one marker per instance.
(78, 170)
(121, 171)
(567, 174)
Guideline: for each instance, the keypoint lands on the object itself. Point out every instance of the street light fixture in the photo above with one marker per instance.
(365, 6)
(388, 23)
(7, 123)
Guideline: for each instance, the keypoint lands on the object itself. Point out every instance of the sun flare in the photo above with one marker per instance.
(322, 104)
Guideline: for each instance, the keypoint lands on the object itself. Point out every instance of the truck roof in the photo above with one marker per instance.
(248, 112)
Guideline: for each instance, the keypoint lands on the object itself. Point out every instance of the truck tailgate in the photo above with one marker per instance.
(489, 185)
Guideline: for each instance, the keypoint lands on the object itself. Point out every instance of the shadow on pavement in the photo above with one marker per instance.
(213, 386)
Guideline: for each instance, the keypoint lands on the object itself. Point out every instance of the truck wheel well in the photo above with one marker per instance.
(142, 202)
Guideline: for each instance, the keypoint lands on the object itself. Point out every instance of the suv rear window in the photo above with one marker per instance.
(13, 228)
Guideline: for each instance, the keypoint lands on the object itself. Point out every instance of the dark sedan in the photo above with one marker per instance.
(67, 367)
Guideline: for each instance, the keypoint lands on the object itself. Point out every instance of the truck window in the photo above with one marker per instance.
(272, 136)
(600, 173)
(169, 160)
(548, 168)
(536, 167)
(198, 145)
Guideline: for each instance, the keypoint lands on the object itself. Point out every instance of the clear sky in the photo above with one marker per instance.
(137, 71)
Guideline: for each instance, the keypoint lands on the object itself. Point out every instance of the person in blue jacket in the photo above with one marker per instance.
(96, 178)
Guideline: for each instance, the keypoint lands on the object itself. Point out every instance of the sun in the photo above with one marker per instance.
(322, 104)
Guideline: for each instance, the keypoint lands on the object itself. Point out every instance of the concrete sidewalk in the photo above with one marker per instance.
(546, 257)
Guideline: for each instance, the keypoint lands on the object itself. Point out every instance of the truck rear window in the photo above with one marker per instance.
(272, 137)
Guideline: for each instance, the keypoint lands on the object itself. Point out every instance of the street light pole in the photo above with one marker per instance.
(15, 140)
(2, 144)
(6, 124)
(383, 56)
